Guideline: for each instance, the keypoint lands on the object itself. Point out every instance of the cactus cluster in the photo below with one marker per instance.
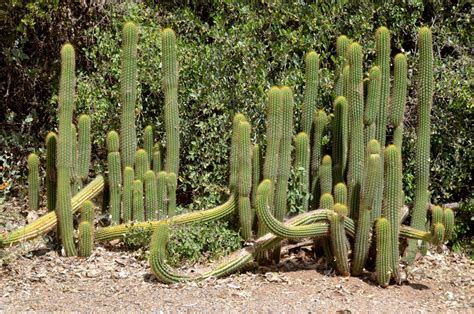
(351, 198)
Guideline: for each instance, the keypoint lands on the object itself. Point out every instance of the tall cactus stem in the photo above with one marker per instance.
(245, 179)
(339, 239)
(171, 183)
(341, 49)
(320, 120)
(156, 158)
(33, 181)
(302, 164)
(325, 175)
(162, 192)
(141, 164)
(148, 143)
(311, 91)
(383, 258)
(372, 105)
(151, 196)
(84, 143)
(256, 172)
(138, 206)
(340, 136)
(340, 193)
(51, 178)
(234, 151)
(127, 194)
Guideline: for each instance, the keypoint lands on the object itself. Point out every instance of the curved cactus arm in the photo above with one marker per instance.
(415, 234)
(47, 222)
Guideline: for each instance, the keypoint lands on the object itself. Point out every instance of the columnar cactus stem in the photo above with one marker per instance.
(320, 120)
(75, 181)
(340, 193)
(156, 158)
(384, 251)
(340, 135)
(86, 239)
(127, 196)
(302, 163)
(422, 154)
(326, 201)
(84, 143)
(141, 164)
(234, 152)
(339, 240)
(448, 221)
(345, 77)
(162, 194)
(64, 156)
(87, 212)
(171, 182)
(341, 50)
(325, 175)
(438, 234)
(356, 122)
(151, 196)
(372, 105)
(170, 88)
(128, 91)
(51, 146)
(33, 181)
(311, 91)
(245, 179)
(399, 98)
(138, 207)
(148, 143)
(115, 175)
(256, 172)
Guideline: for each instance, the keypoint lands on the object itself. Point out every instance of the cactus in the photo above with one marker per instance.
(86, 239)
(399, 97)
(170, 88)
(362, 242)
(340, 193)
(448, 221)
(87, 212)
(156, 158)
(438, 234)
(138, 207)
(245, 179)
(84, 149)
(436, 215)
(422, 153)
(162, 192)
(311, 91)
(320, 121)
(64, 158)
(151, 195)
(33, 181)
(128, 93)
(51, 146)
(338, 239)
(141, 164)
(75, 180)
(148, 143)
(326, 201)
(383, 259)
(171, 182)
(234, 152)
(340, 135)
(372, 105)
(127, 193)
(341, 49)
(302, 162)
(325, 175)
(256, 172)
(382, 43)
(115, 175)
(345, 77)
(356, 112)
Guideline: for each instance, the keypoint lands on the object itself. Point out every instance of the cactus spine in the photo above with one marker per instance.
(356, 112)
(341, 48)
(84, 143)
(311, 91)
(302, 161)
(399, 98)
(138, 207)
(339, 239)
(115, 175)
(340, 193)
(151, 195)
(64, 150)
(171, 182)
(33, 181)
(141, 164)
(245, 180)
(127, 196)
(162, 194)
(340, 135)
(51, 145)
(383, 259)
(422, 153)
(148, 143)
(170, 88)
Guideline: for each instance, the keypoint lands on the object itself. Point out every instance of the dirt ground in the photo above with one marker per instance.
(117, 281)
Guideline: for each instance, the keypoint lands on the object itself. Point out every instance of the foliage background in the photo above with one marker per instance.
(230, 53)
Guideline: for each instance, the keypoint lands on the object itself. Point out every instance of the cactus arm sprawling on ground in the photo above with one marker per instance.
(137, 202)
(86, 239)
(422, 152)
(148, 143)
(128, 91)
(340, 134)
(51, 179)
(170, 88)
(151, 196)
(171, 183)
(302, 163)
(311, 91)
(383, 259)
(127, 193)
(162, 192)
(47, 222)
(245, 179)
(84, 143)
(33, 181)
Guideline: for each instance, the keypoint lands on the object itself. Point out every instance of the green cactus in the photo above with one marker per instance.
(141, 164)
(423, 130)
(437, 237)
(86, 239)
(84, 143)
(382, 43)
(311, 91)
(436, 215)
(171, 183)
(151, 196)
(302, 164)
(383, 259)
(170, 87)
(64, 158)
(356, 121)
(340, 193)
(340, 135)
(341, 49)
(148, 143)
(373, 178)
(87, 212)
(372, 103)
(345, 78)
(399, 98)
(138, 207)
(156, 158)
(127, 193)
(75, 180)
(339, 239)
(33, 181)
(51, 146)
(234, 152)
(115, 175)
(325, 175)
(320, 120)
(448, 221)
(245, 179)
(256, 172)
(162, 194)
(326, 201)
(128, 93)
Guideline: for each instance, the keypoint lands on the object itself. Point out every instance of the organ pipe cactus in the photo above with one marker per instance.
(399, 97)
(372, 105)
(127, 193)
(171, 182)
(148, 143)
(64, 158)
(138, 206)
(87, 211)
(422, 152)
(341, 50)
(340, 136)
(151, 195)
(234, 152)
(162, 192)
(170, 87)
(302, 162)
(86, 238)
(448, 221)
(256, 171)
(340, 193)
(33, 181)
(156, 158)
(51, 145)
(115, 175)
(338, 239)
(326, 201)
(245, 179)
(84, 146)
(325, 175)
(128, 93)
(438, 234)
(311, 91)
(141, 164)
(384, 250)
(320, 120)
